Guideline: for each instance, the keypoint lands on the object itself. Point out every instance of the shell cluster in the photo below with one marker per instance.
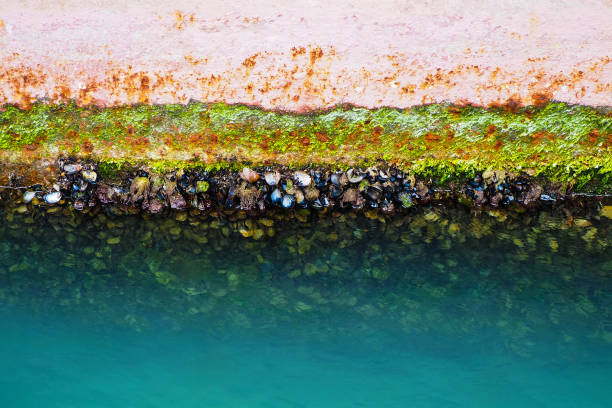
(381, 187)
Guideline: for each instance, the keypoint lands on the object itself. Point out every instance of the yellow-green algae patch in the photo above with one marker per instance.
(558, 142)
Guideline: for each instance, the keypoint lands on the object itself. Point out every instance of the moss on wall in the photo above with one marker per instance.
(558, 142)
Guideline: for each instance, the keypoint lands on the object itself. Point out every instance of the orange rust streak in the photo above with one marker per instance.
(220, 51)
(128, 86)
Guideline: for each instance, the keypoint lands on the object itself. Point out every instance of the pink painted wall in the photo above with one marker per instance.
(304, 55)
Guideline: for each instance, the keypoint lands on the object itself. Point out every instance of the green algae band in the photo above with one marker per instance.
(558, 142)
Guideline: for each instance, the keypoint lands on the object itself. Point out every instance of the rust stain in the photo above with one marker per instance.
(539, 137)
(86, 94)
(62, 93)
(431, 137)
(593, 137)
(322, 137)
(250, 61)
(541, 98)
(321, 86)
(87, 146)
(409, 89)
(315, 54)
(182, 20)
(295, 51)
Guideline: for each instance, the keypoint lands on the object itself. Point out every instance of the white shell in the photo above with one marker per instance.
(28, 196)
(72, 168)
(272, 179)
(302, 179)
(354, 178)
(53, 198)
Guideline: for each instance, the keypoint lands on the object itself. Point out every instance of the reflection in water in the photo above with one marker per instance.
(432, 308)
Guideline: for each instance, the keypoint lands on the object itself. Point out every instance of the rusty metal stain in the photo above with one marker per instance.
(303, 69)
(314, 89)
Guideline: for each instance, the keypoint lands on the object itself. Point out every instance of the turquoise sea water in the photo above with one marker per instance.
(436, 308)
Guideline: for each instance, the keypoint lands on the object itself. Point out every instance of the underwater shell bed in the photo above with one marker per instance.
(432, 306)
(425, 274)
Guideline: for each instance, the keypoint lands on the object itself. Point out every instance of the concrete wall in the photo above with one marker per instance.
(305, 55)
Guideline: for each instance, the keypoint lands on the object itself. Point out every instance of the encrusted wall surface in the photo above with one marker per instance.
(308, 55)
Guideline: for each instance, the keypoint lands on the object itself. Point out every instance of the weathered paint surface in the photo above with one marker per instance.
(306, 55)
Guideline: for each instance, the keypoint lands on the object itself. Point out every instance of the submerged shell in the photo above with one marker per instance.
(155, 206)
(177, 202)
(299, 197)
(288, 201)
(105, 194)
(139, 188)
(79, 205)
(387, 207)
(272, 178)
(53, 198)
(276, 196)
(311, 193)
(302, 179)
(28, 196)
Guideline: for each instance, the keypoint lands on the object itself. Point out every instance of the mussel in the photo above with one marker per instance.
(354, 176)
(53, 197)
(288, 201)
(276, 196)
(272, 178)
(375, 192)
(302, 178)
